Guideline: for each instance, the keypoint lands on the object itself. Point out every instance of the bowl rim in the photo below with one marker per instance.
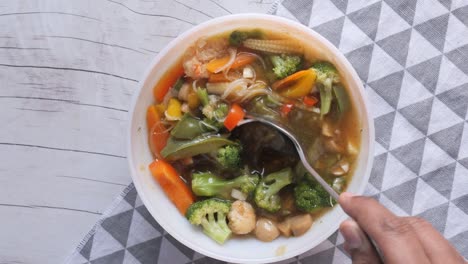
(276, 19)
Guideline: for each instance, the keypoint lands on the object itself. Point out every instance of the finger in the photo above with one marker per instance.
(394, 236)
(357, 244)
(437, 248)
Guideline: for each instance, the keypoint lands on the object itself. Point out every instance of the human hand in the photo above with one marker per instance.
(400, 239)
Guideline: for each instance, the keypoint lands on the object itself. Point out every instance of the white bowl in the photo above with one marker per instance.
(237, 250)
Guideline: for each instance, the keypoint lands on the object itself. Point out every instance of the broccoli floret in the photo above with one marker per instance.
(285, 65)
(237, 37)
(311, 197)
(215, 115)
(211, 215)
(207, 184)
(229, 156)
(203, 96)
(266, 193)
(326, 76)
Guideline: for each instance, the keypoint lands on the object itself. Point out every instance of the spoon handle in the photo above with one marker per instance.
(317, 177)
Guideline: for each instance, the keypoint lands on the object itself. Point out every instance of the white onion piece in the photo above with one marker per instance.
(256, 56)
(217, 88)
(194, 85)
(242, 83)
(238, 195)
(232, 54)
(248, 72)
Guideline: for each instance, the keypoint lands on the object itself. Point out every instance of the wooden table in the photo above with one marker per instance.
(68, 70)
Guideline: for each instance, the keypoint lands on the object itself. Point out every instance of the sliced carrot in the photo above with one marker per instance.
(167, 81)
(157, 132)
(217, 78)
(174, 187)
(235, 115)
(240, 61)
(309, 100)
(291, 79)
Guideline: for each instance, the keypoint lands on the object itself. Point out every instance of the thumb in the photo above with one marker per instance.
(357, 244)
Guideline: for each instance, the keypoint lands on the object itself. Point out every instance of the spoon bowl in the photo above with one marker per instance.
(297, 145)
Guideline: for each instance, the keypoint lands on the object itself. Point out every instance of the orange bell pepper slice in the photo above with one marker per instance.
(157, 132)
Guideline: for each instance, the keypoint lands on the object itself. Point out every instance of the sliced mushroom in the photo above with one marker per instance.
(352, 149)
(338, 184)
(340, 168)
(266, 230)
(241, 218)
(285, 227)
(332, 146)
(300, 224)
(327, 129)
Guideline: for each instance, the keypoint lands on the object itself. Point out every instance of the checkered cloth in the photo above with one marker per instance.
(412, 56)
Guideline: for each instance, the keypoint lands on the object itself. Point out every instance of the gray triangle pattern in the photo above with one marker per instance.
(147, 216)
(360, 59)
(131, 197)
(331, 30)
(403, 8)
(323, 257)
(383, 129)
(341, 5)
(300, 8)
(114, 258)
(449, 139)
(437, 216)
(389, 87)
(333, 237)
(411, 154)
(456, 99)
(397, 45)
(462, 14)
(378, 169)
(185, 250)
(441, 179)
(367, 19)
(459, 57)
(459, 241)
(427, 72)
(462, 203)
(446, 3)
(464, 162)
(434, 30)
(403, 195)
(168, 253)
(86, 250)
(417, 115)
(146, 252)
(118, 226)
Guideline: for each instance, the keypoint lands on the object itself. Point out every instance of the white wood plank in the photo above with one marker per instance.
(63, 125)
(68, 70)
(33, 176)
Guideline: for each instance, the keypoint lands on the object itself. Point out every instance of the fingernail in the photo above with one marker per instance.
(352, 237)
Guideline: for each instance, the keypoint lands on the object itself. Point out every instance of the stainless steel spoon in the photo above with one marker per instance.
(300, 151)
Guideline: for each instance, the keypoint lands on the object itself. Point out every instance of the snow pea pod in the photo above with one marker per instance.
(188, 127)
(177, 149)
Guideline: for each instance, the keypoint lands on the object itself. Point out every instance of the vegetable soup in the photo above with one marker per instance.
(248, 180)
